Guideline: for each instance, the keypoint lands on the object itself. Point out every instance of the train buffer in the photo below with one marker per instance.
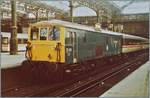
(10, 61)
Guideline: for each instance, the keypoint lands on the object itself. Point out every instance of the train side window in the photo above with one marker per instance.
(4, 40)
(43, 33)
(69, 37)
(34, 33)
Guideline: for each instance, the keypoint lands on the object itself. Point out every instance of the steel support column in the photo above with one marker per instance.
(13, 39)
(37, 15)
(98, 16)
(71, 11)
(0, 27)
(47, 14)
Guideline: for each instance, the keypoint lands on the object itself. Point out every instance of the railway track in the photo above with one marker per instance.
(99, 80)
(68, 90)
(73, 87)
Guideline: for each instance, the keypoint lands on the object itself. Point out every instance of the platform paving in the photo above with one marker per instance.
(133, 86)
(9, 61)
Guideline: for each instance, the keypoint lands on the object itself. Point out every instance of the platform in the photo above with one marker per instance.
(135, 85)
(9, 61)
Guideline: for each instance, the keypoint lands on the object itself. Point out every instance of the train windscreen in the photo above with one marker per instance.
(54, 33)
(34, 35)
(45, 33)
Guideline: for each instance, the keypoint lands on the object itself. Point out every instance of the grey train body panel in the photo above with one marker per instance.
(84, 45)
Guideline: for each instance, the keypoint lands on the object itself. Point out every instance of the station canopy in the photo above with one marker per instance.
(40, 5)
(29, 6)
(102, 7)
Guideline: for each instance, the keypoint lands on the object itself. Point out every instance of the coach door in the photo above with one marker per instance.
(71, 47)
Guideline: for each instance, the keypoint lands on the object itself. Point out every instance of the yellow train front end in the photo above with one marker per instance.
(46, 43)
(45, 52)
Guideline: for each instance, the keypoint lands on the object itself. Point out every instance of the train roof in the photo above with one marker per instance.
(127, 36)
(71, 25)
(84, 27)
(19, 35)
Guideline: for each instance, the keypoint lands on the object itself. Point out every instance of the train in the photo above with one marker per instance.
(134, 43)
(66, 42)
(5, 41)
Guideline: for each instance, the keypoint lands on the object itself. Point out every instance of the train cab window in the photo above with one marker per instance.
(43, 33)
(34, 33)
(54, 33)
(4, 40)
